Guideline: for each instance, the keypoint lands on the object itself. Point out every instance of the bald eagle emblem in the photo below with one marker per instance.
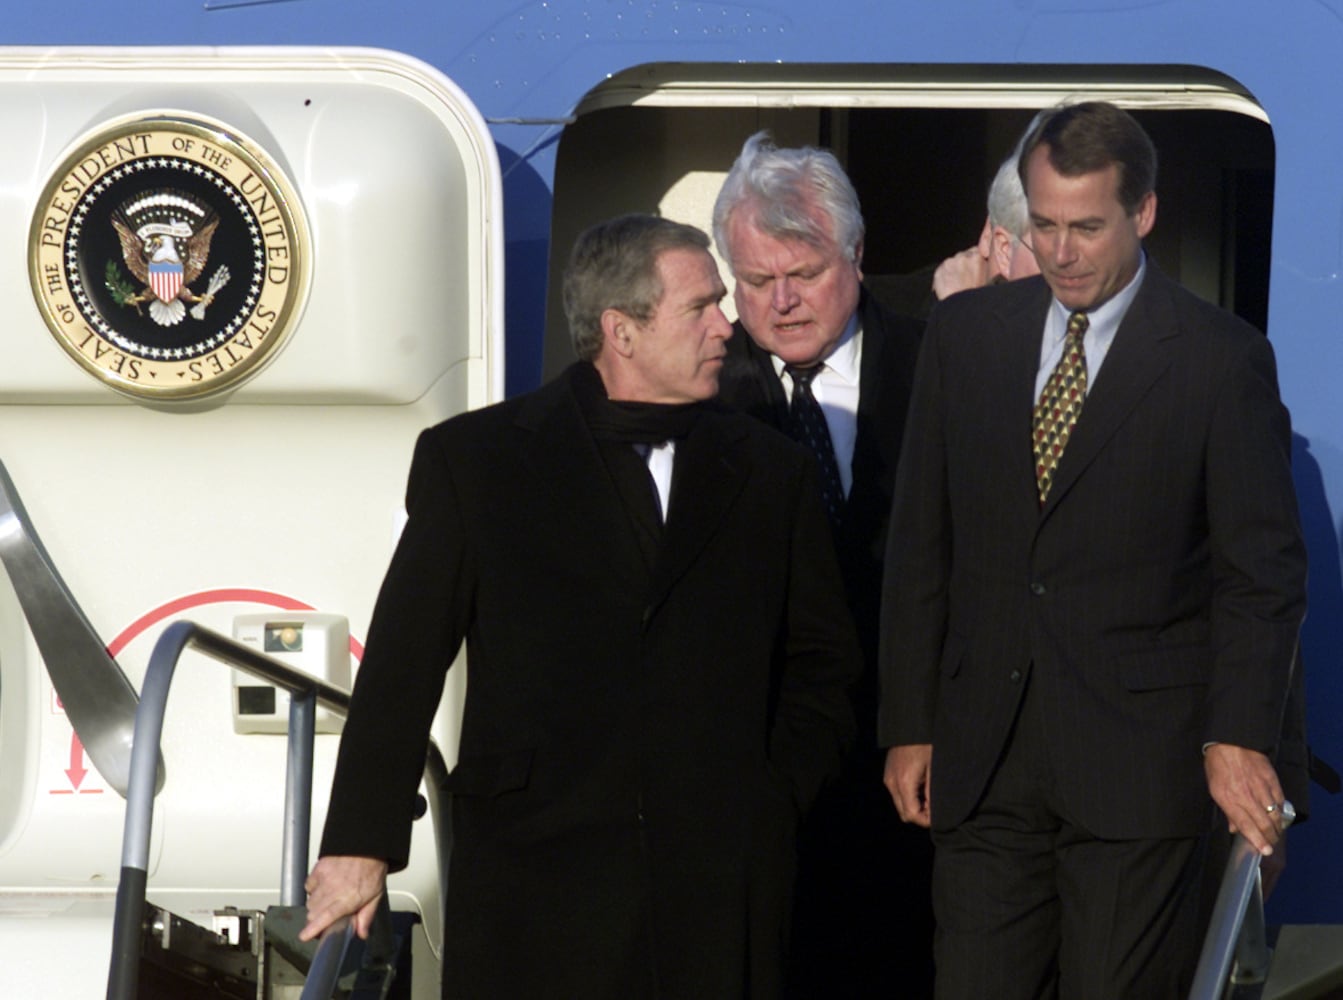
(165, 241)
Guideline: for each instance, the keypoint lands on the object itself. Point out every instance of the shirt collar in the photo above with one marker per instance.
(1105, 319)
(845, 360)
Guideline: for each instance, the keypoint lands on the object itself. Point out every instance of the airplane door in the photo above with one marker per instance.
(237, 285)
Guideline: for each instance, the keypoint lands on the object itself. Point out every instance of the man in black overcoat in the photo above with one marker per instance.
(788, 223)
(658, 656)
(1094, 587)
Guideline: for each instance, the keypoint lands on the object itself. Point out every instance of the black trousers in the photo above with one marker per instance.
(1031, 905)
(862, 911)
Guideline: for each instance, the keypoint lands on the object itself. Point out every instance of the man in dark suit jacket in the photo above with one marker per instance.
(1081, 654)
(788, 223)
(651, 704)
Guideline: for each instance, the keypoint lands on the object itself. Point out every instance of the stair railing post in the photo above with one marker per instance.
(298, 798)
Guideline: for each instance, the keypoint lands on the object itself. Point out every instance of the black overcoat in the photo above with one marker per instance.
(638, 741)
(863, 910)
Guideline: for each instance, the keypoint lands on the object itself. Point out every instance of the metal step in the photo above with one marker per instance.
(182, 960)
(255, 955)
(1307, 963)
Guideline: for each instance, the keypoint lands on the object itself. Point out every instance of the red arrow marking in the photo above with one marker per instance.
(76, 771)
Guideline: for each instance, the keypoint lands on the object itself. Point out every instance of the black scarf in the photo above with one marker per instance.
(629, 422)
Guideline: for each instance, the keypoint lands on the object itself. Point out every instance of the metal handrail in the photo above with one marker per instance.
(305, 692)
(324, 973)
(334, 944)
(1236, 930)
(97, 696)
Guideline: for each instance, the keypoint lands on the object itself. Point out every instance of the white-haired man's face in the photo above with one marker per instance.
(794, 299)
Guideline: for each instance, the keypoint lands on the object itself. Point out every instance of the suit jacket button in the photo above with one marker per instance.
(1038, 588)
(1015, 676)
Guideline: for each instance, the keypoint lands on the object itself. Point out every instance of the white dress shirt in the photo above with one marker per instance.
(660, 459)
(1102, 325)
(836, 390)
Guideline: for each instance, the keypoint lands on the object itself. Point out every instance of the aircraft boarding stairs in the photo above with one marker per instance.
(256, 955)
(260, 956)
(250, 954)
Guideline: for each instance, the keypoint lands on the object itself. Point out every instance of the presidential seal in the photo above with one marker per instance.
(169, 257)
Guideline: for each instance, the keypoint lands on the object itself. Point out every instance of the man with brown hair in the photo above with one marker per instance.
(658, 652)
(1095, 581)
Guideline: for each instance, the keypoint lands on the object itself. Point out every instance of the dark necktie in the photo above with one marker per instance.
(807, 426)
(1060, 403)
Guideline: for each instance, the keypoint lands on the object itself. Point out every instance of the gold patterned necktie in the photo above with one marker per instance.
(1060, 403)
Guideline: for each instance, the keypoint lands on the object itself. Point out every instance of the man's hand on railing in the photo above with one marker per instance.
(343, 886)
(1272, 867)
(1244, 785)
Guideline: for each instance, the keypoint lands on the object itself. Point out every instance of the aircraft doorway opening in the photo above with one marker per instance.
(921, 153)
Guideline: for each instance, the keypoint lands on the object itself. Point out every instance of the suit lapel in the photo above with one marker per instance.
(710, 470)
(885, 380)
(1015, 349)
(871, 372)
(572, 478)
(1143, 348)
(749, 383)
